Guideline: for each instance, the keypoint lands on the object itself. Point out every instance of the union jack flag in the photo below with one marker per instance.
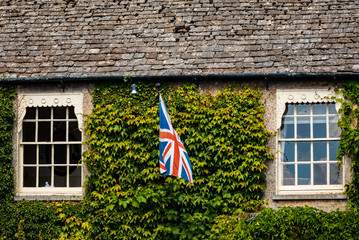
(174, 159)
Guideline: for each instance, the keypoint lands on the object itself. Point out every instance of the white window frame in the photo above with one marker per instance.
(47, 100)
(308, 96)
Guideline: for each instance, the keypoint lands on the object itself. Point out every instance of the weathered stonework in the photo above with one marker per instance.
(48, 38)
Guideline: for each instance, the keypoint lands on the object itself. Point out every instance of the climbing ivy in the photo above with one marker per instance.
(7, 95)
(225, 138)
(29, 220)
(350, 137)
(287, 223)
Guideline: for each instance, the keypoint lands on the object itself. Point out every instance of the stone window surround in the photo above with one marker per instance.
(46, 100)
(284, 96)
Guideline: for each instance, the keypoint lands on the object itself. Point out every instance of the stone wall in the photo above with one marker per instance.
(269, 100)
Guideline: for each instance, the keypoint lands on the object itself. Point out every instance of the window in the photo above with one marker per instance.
(308, 142)
(50, 147)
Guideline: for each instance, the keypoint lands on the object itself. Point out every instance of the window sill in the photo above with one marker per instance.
(300, 197)
(59, 197)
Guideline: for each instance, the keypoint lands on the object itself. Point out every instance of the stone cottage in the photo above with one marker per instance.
(296, 51)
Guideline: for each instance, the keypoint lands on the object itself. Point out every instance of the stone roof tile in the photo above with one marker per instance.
(154, 37)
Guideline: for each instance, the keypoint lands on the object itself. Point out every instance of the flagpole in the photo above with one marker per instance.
(157, 85)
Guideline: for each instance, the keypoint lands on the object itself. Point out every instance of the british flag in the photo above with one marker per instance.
(174, 159)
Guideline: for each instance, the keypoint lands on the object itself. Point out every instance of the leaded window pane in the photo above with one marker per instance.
(319, 127)
(44, 131)
(332, 109)
(60, 113)
(303, 127)
(334, 130)
(59, 131)
(320, 151)
(45, 154)
(319, 109)
(28, 132)
(75, 153)
(30, 154)
(75, 176)
(303, 109)
(287, 130)
(289, 110)
(333, 149)
(74, 132)
(44, 113)
(320, 173)
(44, 176)
(288, 150)
(336, 176)
(303, 151)
(288, 175)
(60, 176)
(304, 175)
(29, 176)
(60, 153)
(30, 113)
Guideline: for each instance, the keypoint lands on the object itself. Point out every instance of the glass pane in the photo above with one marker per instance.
(289, 109)
(320, 151)
(44, 154)
(60, 131)
(288, 151)
(74, 132)
(30, 113)
(287, 129)
(319, 127)
(303, 174)
(44, 131)
(75, 153)
(331, 108)
(44, 113)
(72, 113)
(320, 174)
(29, 154)
(334, 130)
(28, 132)
(303, 151)
(60, 113)
(319, 108)
(303, 127)
(333, 149)
(335, 174)
(44, 176)
(29, 177)
(75, 176)
(288, 175)
(60, 174)
(303, 109)
(60, 154)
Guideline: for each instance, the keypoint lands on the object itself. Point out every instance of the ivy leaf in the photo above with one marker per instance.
(110, 207)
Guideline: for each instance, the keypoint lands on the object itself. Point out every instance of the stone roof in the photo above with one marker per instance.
(69, 38)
